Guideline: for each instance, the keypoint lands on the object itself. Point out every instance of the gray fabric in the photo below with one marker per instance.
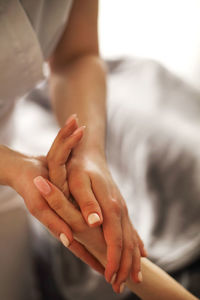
(48, 19)
(153, 152)
(16, 271)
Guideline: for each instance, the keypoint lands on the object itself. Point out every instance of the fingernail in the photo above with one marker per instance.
(122, 288)
(78, 130)
(72, 117)
(140, 276)
(113, 278)
(145, 252)
(42, 185)
(64, 239)
(93, 218)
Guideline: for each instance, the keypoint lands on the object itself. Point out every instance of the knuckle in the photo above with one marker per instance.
(52, 161)
(75, 183)
(37, 209)
(118, 243)
(89, 205)
(55, 203)
(51, 227)
(116, 208)
(130, 247)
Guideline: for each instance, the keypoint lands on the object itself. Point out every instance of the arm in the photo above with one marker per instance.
(78, 85)
(156, 283)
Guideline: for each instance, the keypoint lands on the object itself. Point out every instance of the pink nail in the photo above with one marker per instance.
(42, 185)
(72, 117)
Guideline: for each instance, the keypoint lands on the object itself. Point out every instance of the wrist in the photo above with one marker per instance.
(89, 149)
(7, 165)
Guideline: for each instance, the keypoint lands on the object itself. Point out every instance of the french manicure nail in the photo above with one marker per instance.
(140, 276)
(64, 239)
(113, 278)
(72, 117)
(78, 130)
(93, 218)
(42, 185)
(122, 287)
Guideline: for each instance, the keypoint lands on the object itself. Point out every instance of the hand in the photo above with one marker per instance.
(91, 238)
(24, 170)
(89, 179)
(124, 247)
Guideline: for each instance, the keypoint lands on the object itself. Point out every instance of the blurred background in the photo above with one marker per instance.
(168, 31)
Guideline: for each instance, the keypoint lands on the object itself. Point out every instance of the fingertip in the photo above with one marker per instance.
(71, 118)
(66, 238)
(65, 241)
(78, 131)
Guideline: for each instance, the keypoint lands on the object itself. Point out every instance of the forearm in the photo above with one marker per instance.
(80, 87)
(156, 283)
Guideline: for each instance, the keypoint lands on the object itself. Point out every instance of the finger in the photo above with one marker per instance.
(67, 138)
(60, 204)
(64, 132)
(81, 252)
(80, 188)
(124, 271)
(113, 236)
(143, 251)
(57, 159)
(127, 256)
(51, 220)
(136, 274)
(51, 193)
(112, 227)
(60, 151)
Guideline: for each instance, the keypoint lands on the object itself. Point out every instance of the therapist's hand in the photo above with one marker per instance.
(93, 188)
(23, 169)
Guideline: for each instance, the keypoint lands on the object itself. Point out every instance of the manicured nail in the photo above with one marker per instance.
(122, 288)
(93, 218)
(64, 239)
(78, 130)
(113, 278)
(42, 185)
(72, 117)
(140, 276)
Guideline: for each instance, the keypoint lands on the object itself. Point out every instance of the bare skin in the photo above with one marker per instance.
(78, 85)
(156, 283)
